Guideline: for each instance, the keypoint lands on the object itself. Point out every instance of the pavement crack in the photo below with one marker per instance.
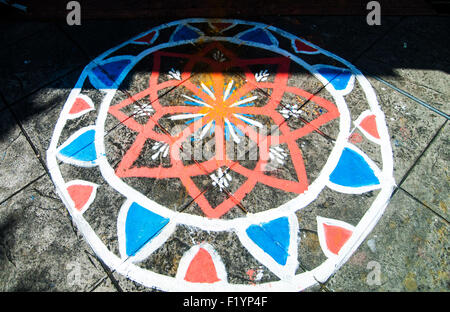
(422, 153)
(109, 273)
(12, 142)
(21, 189)
(46, 196)
(9, 145)
(89, 255)
(97, 284)
(426, 206)
(74, 229)
(424, 86)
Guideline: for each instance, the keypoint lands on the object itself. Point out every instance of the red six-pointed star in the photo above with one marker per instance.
(223, 109)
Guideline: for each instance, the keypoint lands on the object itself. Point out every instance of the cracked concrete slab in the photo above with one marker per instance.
(40, 248)
(417, 238)
(429, 179)
(19, 165)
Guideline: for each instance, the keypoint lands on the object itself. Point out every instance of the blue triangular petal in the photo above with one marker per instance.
(258, 35)
(272, 237)
(82, 148)
(352, 170)
(141, 227)
(105, 75)
(184, 33)
(338, 77)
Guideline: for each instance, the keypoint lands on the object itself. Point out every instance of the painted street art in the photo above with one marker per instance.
(202, 144)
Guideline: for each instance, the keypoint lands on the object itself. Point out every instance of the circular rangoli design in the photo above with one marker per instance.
(203, 149)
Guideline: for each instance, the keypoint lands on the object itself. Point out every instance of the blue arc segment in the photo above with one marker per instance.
(184, 33)
(107, 74)
(272, 237)
(338, 77)
(141, 227)
(352, 170)
(258, 36)
(82, 148)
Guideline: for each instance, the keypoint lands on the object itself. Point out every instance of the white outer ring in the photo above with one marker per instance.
(300, 281)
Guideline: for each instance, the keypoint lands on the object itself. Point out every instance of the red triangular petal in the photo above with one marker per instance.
(369, 124)
(202, 269)
(79, 106)
(80, 194)
(336, 237)
(147, 38)
(301, 46)
(221, 26)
